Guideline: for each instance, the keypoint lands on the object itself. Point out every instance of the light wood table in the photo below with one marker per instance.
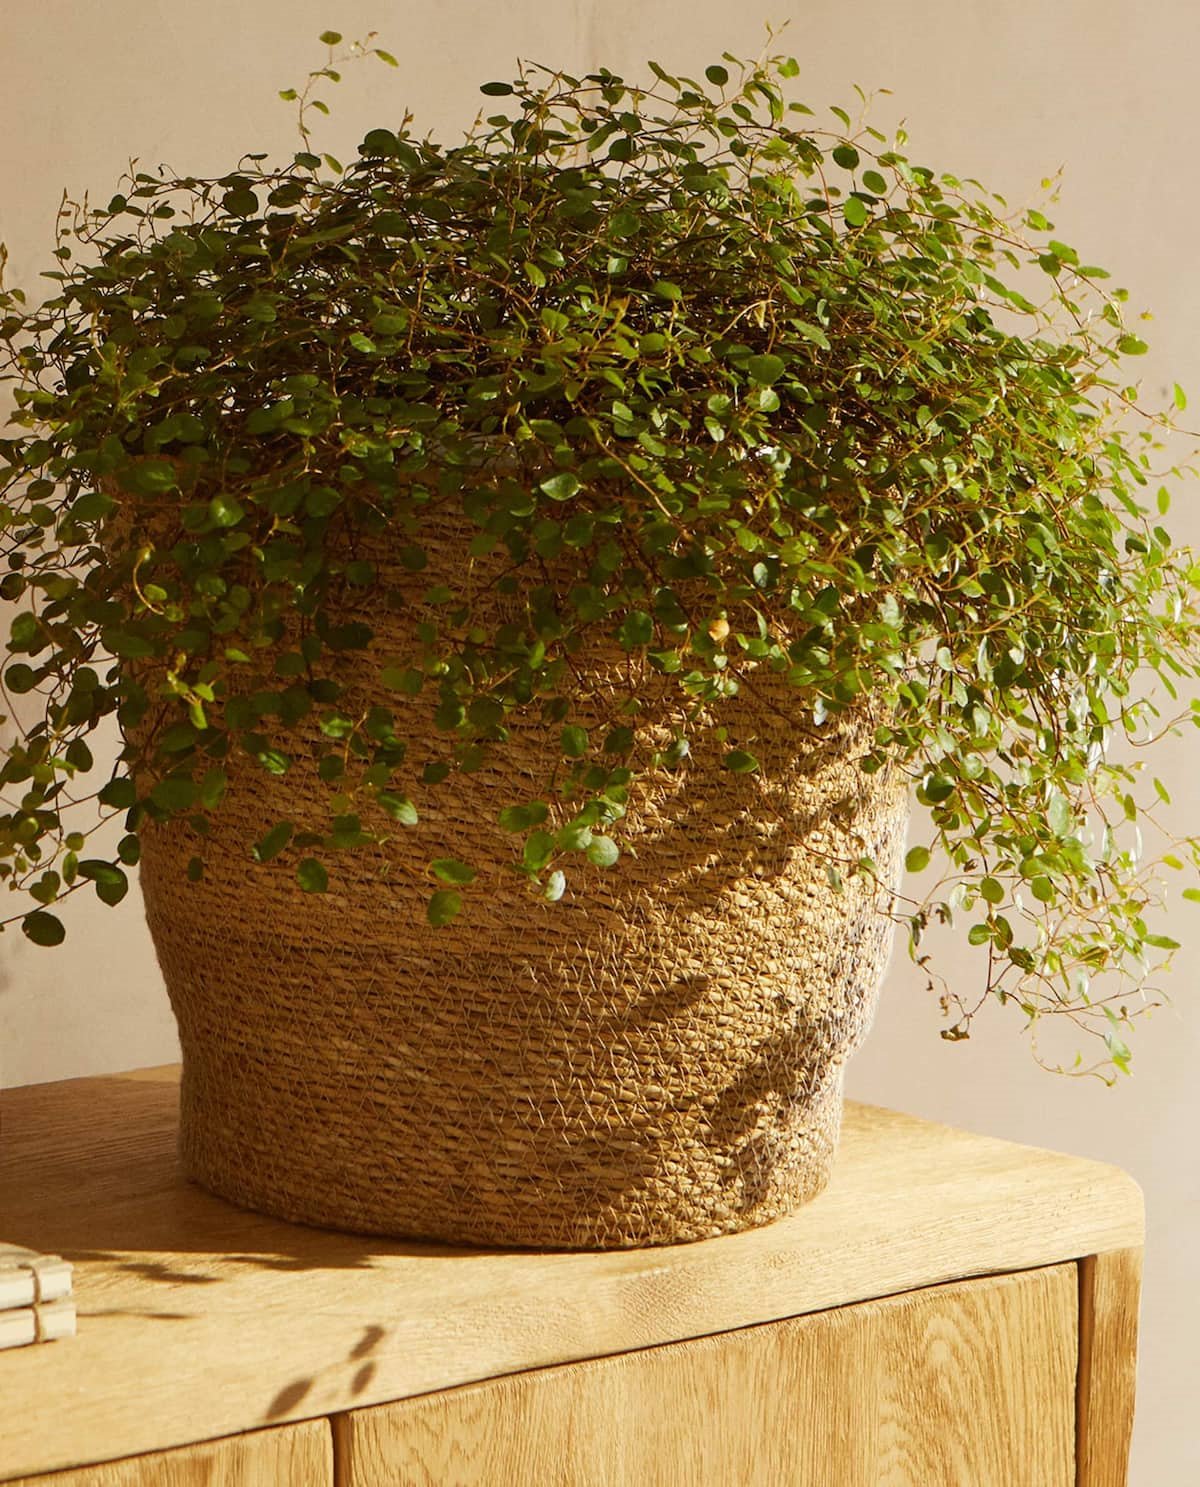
(953, 1311)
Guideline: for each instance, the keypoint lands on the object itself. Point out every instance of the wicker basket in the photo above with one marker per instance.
(656, 1058)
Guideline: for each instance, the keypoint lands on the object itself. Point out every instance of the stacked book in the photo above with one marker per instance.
(36, 1304)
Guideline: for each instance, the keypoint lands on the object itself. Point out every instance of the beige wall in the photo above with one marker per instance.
(1104, 88)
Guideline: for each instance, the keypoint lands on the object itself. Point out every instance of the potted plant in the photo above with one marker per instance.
(529, 578)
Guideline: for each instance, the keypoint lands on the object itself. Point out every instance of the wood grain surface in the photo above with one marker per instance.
(198, 1320)
(1109, 1292)
(290, 1456)
(965, 1385)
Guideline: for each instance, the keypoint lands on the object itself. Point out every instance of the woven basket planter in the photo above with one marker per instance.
(657, 1058)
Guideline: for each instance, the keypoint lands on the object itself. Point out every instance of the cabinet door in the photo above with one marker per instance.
(968, 1383)
(288, 1456)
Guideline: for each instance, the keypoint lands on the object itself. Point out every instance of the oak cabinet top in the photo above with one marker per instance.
(197, 1319)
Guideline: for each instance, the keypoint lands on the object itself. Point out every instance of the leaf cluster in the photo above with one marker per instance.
(729, 389)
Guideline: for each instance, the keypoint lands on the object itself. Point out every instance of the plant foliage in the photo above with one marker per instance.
(770, 394)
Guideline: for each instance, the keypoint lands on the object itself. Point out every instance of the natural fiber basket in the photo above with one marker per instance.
(656, 1058)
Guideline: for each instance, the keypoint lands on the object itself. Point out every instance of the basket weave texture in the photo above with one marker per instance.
(656, 1058)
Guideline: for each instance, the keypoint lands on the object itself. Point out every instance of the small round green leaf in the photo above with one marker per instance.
(443, 907)
(523, 817)
(602, 851)
(991, 891)
(1042, 889)
(560, 487)
(225, 510)
(43, 928)
(178, 793)
(1058, 815)
(311, 876)
(539, 848)
(766, 369)
(574, 741)
(240, 202)
(110, 882)
(273, 842)
(741, 762)
(637, 629)
(398, 807)
(120, 794)
(383, 142)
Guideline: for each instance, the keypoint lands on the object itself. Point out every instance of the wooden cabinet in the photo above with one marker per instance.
(972, 1383)
(952, 1312)
(295, 1455)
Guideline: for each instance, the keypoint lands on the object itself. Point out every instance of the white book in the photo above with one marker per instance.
(45, 1323)
(28, 1278)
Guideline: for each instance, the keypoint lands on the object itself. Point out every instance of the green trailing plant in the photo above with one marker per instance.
(729, 387)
